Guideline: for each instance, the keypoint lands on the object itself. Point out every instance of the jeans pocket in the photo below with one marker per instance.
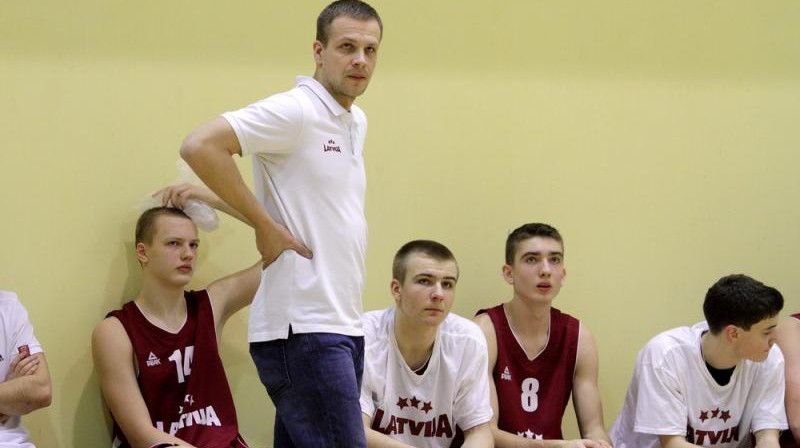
(270, 360)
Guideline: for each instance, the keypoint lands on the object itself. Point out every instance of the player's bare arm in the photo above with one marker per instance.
(585, 393)
(788, 339)
(27, 385)
(209, 150)
(479, 436)
(114, 362)
(767, 438)
(674, 441)
(232, 293)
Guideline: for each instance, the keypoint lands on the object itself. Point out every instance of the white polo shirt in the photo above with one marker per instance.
(309, 175)
(15, 331)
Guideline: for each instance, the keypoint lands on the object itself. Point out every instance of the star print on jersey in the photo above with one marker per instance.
(188, 399)
(414, 402)
(715, 414)
(715, 428)
(530, 435)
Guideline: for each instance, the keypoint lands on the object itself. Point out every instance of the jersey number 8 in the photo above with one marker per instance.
(530, 397)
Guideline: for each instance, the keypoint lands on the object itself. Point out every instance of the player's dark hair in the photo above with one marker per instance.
(740, 300)
(528, 231)
(355, 9)
(146, 224)
(437, 251)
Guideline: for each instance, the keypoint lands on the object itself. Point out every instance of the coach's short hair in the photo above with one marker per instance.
(355, 9)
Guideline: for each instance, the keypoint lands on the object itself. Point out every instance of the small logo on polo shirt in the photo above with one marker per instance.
(153, 360)
(331, 145)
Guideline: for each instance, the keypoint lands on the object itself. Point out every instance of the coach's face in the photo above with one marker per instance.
(345, 64)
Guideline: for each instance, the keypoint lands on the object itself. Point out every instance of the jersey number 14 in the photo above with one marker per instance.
(183, 364)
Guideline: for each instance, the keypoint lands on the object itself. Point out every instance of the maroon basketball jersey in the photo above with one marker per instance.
(532, 394)
(787, 439)
(181, 376)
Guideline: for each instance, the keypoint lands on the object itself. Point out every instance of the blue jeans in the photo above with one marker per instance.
(314, 381)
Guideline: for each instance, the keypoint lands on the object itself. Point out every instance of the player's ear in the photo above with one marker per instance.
(731, 333)
(507, 274)
(141, 253)
(394, 287)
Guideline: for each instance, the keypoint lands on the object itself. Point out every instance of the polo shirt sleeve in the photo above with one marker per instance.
(661, 407)
(269, 126)
(472, 406)
(769, 389)
(19, 331)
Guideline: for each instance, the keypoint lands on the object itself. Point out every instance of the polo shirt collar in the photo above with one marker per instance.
(323, 94)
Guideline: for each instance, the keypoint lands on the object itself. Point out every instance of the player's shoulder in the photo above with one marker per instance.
(675, 336)
(458, 327)
(110, 341)
(564, 318)
(774, 358)
(483, 317)
(110, 326)
(9, 299)
(671, 346)
(376, 323)
(484, 321)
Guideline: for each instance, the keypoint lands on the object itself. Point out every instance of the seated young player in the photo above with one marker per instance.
(538, 355)
(424, 383)
(788, 338)
(24, 379)
(157, 358)
(716, 384)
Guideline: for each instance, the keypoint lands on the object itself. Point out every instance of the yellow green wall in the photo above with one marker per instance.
(660, 137)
